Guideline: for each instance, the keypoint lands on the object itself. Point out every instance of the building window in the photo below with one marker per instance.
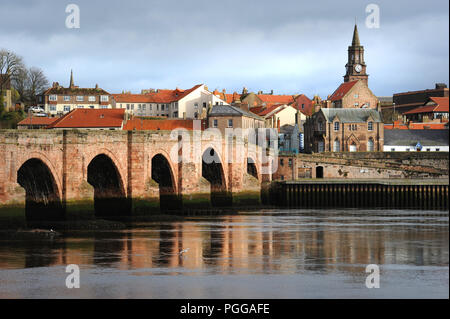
(104, 98)
(230, 123)
(80, 107)
(92, 107)
(66, 108)
(162, 107)
(52, 98)
(128, 106)
(438, 149)
(290, 162)
(428, 149)
(103, 106)
(336, 126)
(214, 123)
(144, 107)
(320, 126)
(408, 149)
(282, 177)
(80, 98)
(52, 107)
(356, 96)
(91, 99)
(132, 106)
(392, 149)
(370, 126)
(66, 98)
(282, 162)
(303, 106)
(204, 105)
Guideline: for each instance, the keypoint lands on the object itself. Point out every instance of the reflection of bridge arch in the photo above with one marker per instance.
(109, 192)
(42, 195)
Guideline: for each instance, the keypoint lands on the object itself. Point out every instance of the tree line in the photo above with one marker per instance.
(25, 83)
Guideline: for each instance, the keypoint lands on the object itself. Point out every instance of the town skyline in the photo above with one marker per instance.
(402, 46)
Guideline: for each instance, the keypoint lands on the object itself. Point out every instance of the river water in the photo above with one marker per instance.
(263, 254)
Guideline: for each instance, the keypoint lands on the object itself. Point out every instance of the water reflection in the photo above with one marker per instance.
(287, 242)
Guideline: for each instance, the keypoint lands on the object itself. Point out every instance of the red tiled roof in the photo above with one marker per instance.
(38, 120)
(279, 99)
(441, 102)
(342, 90)
(303, 99)
(90, 118)
(440, 105)
(163, 125)
(162, 96)
(269, 109)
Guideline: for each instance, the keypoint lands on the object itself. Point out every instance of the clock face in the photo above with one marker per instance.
(358, 68)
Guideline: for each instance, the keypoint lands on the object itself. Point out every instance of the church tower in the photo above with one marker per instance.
(356, 66)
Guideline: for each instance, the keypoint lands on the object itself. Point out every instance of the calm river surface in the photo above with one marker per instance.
(264, 254)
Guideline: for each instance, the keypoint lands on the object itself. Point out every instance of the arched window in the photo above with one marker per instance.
(336, 146)
(370, 145)
(353, 147)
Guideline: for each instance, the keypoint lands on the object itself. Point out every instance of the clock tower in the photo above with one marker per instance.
(356, 66)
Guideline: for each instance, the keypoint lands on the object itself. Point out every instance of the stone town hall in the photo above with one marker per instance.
(350, 119)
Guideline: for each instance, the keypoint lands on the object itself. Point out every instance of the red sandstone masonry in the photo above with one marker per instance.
(131, 152)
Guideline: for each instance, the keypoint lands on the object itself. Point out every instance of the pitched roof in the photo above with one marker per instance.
(412, 137)
(228, 110)
(163, 125)
(342, 90)
(435, 104)
(351, 115)
(75, 90)
(272, 109)
(38, 120)
(161, 96)
(90, 118)
(270, 98)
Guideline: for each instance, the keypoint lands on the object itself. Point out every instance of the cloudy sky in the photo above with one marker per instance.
(290, 46)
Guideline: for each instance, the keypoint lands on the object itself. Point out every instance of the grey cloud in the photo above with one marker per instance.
(289, 46)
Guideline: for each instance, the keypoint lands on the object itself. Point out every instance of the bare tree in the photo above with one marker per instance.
(10, 66)
(37, 83)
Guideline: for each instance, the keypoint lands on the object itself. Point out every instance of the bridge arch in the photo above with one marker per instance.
(252, 167)
(162, 172)
(42, 194)
(109, 190)
(213, 172)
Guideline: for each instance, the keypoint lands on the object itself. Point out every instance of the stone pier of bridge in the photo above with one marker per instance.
(76, 172)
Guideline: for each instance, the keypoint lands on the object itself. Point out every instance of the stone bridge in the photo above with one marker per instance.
(70, 173)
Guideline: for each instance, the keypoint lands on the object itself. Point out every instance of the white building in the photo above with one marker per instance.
(416, 140)
(59, 100)
(188, 104)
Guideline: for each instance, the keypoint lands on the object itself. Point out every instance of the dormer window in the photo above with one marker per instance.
(336, 126)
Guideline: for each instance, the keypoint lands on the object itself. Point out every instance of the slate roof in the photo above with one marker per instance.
(228, 110)
(412, 137)
(351, 115)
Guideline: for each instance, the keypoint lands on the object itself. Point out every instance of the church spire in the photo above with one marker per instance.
(355, 41)
(71, 79)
